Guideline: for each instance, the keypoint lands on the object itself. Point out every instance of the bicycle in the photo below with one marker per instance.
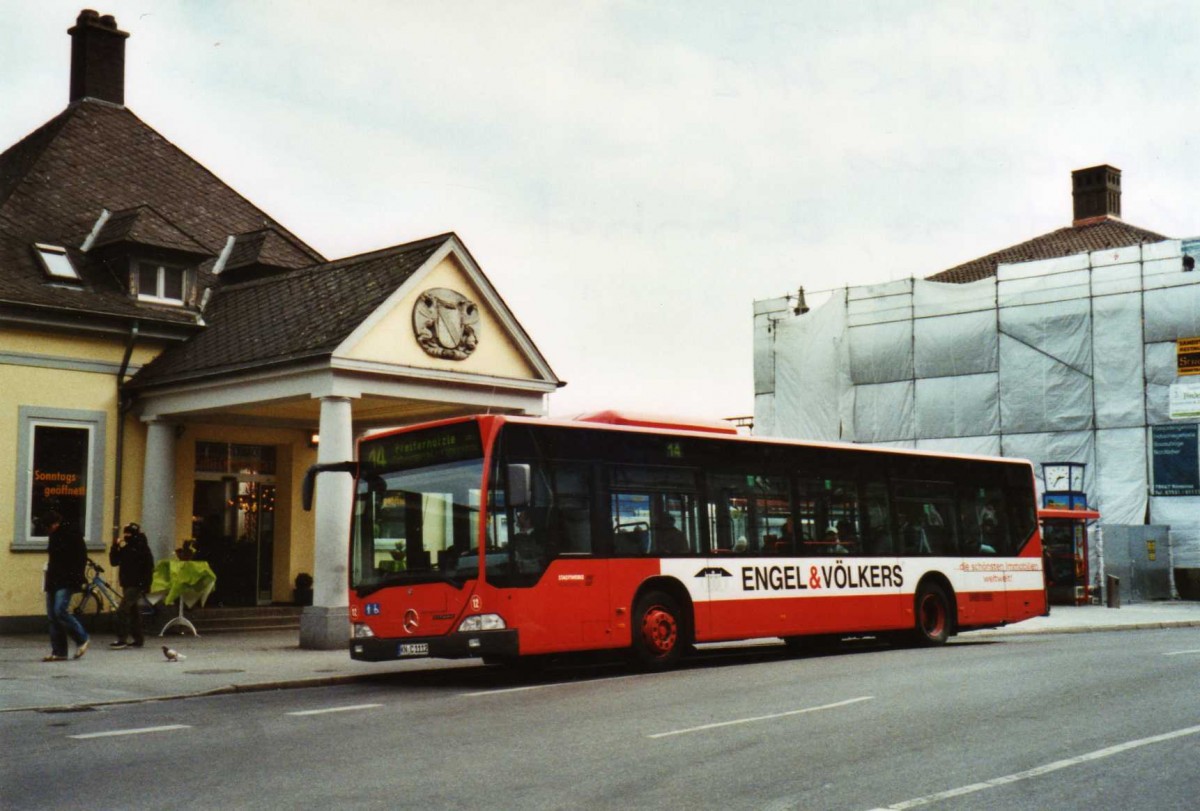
(98, 596)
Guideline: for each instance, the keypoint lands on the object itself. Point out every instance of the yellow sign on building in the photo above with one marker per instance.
(1187, 356)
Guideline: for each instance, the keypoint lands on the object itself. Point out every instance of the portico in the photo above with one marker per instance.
(387, 367)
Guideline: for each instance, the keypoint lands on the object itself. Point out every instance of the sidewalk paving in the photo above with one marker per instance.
(264, 660)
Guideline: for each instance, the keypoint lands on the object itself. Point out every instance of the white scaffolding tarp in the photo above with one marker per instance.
(1067, 359)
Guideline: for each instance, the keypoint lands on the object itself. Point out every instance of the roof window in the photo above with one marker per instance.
(160, 283)
(55, 262)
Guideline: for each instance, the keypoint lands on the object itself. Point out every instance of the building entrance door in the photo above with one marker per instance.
(233, 520)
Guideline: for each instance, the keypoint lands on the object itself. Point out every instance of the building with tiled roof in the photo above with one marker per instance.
(1097, 227)
(168, 351)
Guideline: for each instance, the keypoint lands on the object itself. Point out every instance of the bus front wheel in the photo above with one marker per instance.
(658, 632)
(934, 619)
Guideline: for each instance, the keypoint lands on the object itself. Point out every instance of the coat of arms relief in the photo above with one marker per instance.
(446, 323)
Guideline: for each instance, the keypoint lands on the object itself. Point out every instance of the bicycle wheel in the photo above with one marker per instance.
(86, 606)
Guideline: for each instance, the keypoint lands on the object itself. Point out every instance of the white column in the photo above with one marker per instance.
(158, 490)
(325, 625)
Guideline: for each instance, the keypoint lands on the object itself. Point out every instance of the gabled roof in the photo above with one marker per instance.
(55, 183)
(311, 312)
(1089, 235)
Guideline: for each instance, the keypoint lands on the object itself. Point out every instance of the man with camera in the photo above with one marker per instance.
(131, 553)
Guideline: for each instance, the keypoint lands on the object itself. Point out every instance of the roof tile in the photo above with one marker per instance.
(1092, 235)
(310, 311)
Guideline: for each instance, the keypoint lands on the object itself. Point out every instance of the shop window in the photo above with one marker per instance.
(60, 467)
(244, 460)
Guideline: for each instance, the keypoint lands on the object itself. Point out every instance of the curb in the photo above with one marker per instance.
(231, 689)
(1085, 629)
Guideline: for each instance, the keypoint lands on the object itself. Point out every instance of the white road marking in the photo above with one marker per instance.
(326, 710)
(1181, 652)
(523, 688)
(112, 733)
(1038, 771)
(508, 690)
(758, 718)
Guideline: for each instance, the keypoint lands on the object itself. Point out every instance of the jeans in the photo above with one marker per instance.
(129, 613)
(62, 622)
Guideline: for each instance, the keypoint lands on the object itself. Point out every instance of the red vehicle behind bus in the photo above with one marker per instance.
(500, 537)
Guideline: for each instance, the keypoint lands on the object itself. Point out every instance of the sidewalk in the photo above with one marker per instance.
(215, 663)
(265, 660)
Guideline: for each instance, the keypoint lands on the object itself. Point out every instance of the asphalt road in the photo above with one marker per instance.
(1075, 721)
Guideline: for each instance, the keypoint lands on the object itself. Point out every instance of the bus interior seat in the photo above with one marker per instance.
(631, 542)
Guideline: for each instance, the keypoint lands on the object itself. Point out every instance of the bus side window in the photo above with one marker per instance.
(984, 530)
(571, 516)
(749, 514)
(879, 539)
(830, 517)
(911, 530)
(630, 523)
(654, 510)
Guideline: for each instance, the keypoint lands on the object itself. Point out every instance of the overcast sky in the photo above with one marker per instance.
(632, 176)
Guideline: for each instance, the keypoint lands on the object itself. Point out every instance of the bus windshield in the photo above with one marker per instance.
(416, 510)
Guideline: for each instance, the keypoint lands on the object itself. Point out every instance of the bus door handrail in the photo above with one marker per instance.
(310, 478)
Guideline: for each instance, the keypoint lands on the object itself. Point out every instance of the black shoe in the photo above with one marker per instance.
(119, 644)
(136, 644)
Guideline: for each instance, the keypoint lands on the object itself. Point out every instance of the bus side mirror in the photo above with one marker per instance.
(518, 486)
(310, 478)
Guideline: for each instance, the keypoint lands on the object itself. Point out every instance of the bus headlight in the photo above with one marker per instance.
(482, 622)
(360, 631)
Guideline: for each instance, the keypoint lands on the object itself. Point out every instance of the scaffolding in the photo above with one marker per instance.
(1072, 358)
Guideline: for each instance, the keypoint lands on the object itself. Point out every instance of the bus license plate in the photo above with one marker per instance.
(414, 648)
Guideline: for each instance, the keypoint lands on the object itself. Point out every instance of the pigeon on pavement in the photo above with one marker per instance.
(172, 654)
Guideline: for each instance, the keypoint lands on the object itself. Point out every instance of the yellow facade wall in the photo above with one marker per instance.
(40, 380)
(391, 340)
(61, 388)
(65, 346)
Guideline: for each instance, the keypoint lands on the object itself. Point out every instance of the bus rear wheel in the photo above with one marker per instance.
(659, 635)
(934, 620)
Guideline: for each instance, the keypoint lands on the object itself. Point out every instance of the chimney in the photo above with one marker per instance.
(97, 58)
(1097, 193)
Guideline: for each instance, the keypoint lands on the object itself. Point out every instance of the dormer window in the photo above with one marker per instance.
(56, 263)
(160, 283)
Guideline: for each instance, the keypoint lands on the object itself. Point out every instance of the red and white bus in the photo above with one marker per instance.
(501, 537)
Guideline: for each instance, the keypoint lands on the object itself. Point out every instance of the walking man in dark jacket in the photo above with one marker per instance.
(64, 577)
(132, 554)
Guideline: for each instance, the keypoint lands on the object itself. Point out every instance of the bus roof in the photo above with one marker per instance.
(616, 420)
(643, 423)
(656, 421)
